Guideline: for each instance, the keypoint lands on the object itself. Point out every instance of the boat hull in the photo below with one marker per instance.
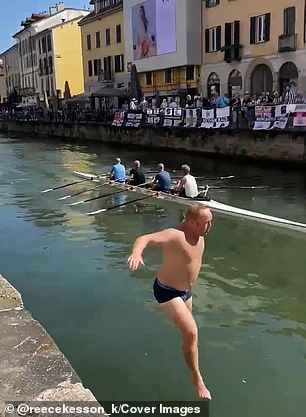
(214, 205)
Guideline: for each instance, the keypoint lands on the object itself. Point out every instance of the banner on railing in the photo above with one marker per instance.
(215, 118)
(173, 117)
(133, 118)
(118, 118)
(271, 117)
(299, 115)
(153, 117)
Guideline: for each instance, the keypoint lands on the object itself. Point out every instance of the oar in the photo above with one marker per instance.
(105, 195)
(82, 192)
(236, 187)
(120, 205)
(71, 183)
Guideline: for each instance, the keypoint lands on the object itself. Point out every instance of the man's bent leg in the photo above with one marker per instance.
(179, 312)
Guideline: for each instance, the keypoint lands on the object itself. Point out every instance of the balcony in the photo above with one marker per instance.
(287, 43)
(231, 53)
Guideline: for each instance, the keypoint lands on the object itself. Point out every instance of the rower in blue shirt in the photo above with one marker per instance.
(118, 173)
(162, 181)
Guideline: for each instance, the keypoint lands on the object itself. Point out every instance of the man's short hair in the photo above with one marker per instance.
(118, 160)
(194, 211)
(185, 168)
(161, 166)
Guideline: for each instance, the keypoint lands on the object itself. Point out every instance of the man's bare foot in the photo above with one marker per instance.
(200, 388)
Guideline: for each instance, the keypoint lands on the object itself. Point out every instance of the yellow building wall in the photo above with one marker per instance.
(178, 80)
(243, 10)
(100, 24)
(68, 57)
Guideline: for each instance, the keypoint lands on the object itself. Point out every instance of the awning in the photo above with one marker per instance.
(110, 92)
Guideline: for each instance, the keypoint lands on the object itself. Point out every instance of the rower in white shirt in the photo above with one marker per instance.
(187, 185)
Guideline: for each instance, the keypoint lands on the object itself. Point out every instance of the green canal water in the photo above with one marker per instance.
(249, 301)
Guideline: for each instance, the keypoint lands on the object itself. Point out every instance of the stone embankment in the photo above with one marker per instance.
(285, 146)
(32, 368)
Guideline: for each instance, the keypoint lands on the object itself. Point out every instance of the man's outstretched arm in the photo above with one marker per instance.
(159, 238)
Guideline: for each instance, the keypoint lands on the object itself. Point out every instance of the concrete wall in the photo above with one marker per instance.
(285, 146)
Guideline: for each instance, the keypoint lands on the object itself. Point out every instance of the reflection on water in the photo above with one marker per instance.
(249, 301)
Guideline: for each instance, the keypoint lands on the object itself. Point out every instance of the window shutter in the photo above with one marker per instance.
(228, 34)
(252, 30)
(267, 26)
(237, 32)
(218, 38)
(206, 40)
(291, 13)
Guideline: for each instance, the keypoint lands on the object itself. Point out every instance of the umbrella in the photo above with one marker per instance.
(135, 91)
(67, 93)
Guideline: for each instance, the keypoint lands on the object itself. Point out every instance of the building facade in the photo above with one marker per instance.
(11, 73)
(103, 46)
(49, 49)
(253, 46)
(160, 42)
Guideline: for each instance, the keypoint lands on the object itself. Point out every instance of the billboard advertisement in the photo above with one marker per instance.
(154, 28)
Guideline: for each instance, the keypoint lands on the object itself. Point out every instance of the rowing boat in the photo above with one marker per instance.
(213, 204)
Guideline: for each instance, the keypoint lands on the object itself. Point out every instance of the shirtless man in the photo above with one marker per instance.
(183, 248)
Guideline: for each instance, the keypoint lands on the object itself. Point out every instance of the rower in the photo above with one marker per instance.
(118, 171)
(137, 174)
(187, 185)
(162, 181)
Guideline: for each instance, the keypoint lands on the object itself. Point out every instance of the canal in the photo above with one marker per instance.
(249, 301)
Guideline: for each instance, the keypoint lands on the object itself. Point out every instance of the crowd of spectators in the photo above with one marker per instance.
(242, 107)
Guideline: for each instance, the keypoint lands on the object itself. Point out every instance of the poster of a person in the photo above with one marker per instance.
(144, 30)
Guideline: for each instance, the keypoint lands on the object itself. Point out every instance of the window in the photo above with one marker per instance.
(118, 33)
(88, 42)
(97, 66)
(107, 37)
(50, 64)
(260, 28)
(232, 41)
(39, 46)
(43, 45)
(289, 21)
(213, 39)
(119, 63)
(107, 63)
(190, 72)
(98, 41)
(168, 75)
(90, 68)
(212, 3)
(148, 78)
(49, 44)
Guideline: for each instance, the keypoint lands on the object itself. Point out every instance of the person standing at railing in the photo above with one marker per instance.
(236, 109)
(290, 96)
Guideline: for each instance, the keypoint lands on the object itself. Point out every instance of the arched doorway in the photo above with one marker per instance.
(261, 80)
(288, 75)
(234, 83)
(213, 85)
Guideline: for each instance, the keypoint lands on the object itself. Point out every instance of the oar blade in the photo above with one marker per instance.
(97, 212)
(64, 198)
(76, 203)
(47, 190)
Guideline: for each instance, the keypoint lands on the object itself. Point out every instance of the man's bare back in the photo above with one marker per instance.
(183, 249)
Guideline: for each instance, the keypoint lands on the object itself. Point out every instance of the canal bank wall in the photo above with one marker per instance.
(285, 146)
(32, 368)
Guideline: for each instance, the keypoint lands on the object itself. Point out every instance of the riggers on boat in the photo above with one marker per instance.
(213, 204)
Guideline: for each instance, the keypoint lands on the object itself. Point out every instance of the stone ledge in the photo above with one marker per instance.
(32, 368)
